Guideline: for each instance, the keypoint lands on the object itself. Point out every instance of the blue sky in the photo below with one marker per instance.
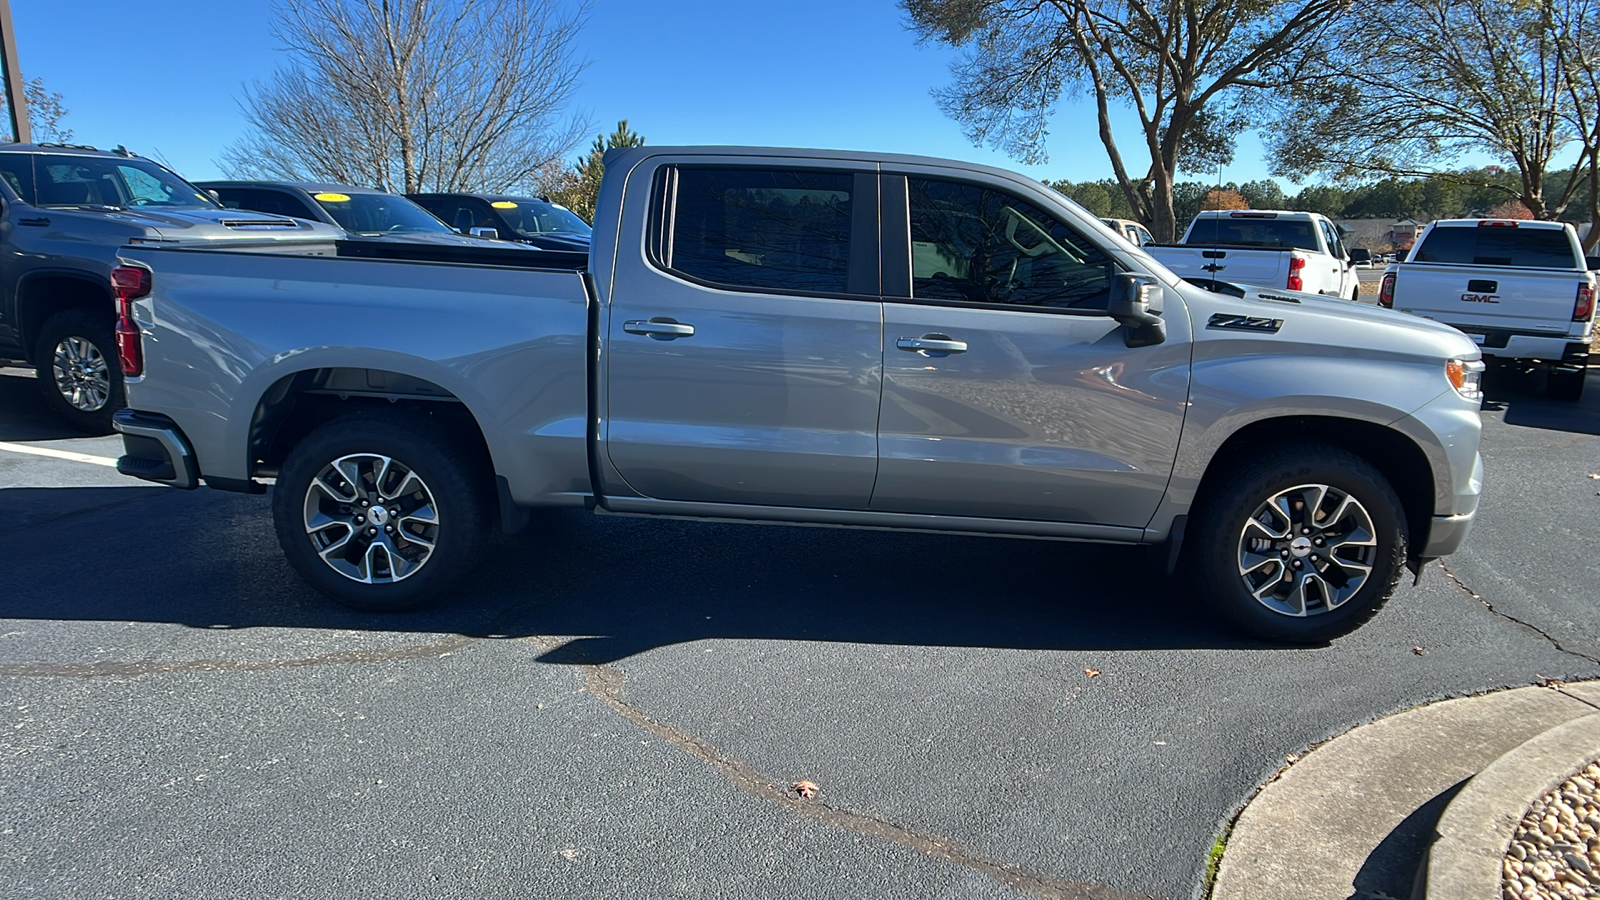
(163, 77)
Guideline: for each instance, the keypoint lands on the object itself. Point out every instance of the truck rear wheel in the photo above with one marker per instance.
(1301, 545)
(382, 512)
(75, 363)
(1566, 384)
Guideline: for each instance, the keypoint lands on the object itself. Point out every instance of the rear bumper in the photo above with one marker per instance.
(156, 450)
(1505, 344)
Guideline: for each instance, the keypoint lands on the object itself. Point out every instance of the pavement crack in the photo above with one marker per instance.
(163, 667)
(606, 683)
(1552, 639)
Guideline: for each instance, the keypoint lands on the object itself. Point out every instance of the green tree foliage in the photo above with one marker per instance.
(1189, 69)
(1415, 84)
(46, 109)
(1263, 194)
(579, 188)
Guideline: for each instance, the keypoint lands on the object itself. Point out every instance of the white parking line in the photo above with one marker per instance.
(59, 454)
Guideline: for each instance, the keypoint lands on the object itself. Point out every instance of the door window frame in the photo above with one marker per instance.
(863, 266)
(894, 188)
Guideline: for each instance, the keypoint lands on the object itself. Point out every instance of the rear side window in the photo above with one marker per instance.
(1498, 245)
(762, 229)
(17, 170)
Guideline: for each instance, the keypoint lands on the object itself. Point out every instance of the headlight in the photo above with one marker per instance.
(1466, 376)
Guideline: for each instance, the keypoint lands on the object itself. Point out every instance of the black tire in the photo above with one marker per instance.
(1219, 540)
(87, 388)
(451, 475)
(1566, 384)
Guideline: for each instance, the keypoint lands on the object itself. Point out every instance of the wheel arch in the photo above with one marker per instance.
(41, 294)
(1396, 456)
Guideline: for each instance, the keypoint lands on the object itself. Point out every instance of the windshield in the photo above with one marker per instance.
(369, 213)
(531, 218)
(99, 181)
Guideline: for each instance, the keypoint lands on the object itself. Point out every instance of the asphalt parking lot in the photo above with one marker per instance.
(618, 707)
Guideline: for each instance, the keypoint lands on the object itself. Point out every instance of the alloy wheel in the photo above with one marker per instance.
(371, 519)
(1307, 550)
(82, 374)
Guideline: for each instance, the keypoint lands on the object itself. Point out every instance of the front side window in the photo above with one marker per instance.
(977, 244)
(763, 229)
(17, 170)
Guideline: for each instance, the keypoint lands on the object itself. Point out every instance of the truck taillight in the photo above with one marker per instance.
(130, 283)
(1386, 291)
(1584, 308)
(1296, 264)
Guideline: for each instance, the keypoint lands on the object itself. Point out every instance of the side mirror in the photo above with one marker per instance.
(1136, 304)
(484, 232)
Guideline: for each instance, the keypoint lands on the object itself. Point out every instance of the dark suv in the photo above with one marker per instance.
(67, 211)
(534, 221)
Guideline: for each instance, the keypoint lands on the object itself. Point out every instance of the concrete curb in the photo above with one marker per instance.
(1351, 819)
(1476, 828)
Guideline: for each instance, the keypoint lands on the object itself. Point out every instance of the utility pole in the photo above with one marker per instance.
(16, 96)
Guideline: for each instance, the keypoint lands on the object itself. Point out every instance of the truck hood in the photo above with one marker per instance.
(1326, 321)
(201, 224)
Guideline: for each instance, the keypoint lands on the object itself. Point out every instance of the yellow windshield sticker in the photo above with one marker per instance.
(503, 204)
(332, 198)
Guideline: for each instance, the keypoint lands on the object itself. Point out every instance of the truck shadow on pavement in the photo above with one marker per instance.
(1521, 397)
(23, 415)
(599, 589)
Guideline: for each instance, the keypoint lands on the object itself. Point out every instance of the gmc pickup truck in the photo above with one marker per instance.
(813, 337)
(1292, 251)
(1522, 290)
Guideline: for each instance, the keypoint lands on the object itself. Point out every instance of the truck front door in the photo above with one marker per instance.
(1008, 390)
(744, 349)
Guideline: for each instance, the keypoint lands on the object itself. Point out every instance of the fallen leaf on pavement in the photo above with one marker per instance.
(1419, 650)
(1547, 681)
(1593, 475)
(806, 789)
(1092, 673)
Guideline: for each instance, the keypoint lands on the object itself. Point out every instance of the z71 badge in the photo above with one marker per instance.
(1479, 298)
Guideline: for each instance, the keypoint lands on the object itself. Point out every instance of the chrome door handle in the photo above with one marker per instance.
(660, 328)
(932, 345)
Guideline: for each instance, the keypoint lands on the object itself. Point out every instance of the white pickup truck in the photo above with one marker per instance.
(1523, 291)
(1295, 251)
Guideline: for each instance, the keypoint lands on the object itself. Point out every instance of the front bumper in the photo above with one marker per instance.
(156, 450)
(1446, 534)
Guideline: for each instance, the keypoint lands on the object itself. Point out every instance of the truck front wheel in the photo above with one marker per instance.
(381, 512)
(1301, 545)
(75, 363)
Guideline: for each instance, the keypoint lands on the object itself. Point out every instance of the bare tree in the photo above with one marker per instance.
(1416, 84)
(45, 112)
(1189, 69)
(416, 95)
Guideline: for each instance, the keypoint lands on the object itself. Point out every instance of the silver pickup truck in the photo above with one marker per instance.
(813, 337)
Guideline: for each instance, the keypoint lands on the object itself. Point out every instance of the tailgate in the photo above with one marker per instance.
(1514, 299)
(1264, 268)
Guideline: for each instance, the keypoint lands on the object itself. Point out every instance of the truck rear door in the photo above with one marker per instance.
(744, 344)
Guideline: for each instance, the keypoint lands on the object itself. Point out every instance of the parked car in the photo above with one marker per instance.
(1295, 251)
(67, 211)
(535, 221)
(818, 337)
(1131, 230)
(1522, 291)
(361, 212)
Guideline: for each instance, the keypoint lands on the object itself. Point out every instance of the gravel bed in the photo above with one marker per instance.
(1555, 853)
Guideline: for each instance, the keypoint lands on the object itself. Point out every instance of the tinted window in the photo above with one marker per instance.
(775, 230)
(17, 170)
(279, 203)
(103, 181)
(977, 244)
(373, 213)
(532, 218)
(1498, 245)
(1253, 232)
